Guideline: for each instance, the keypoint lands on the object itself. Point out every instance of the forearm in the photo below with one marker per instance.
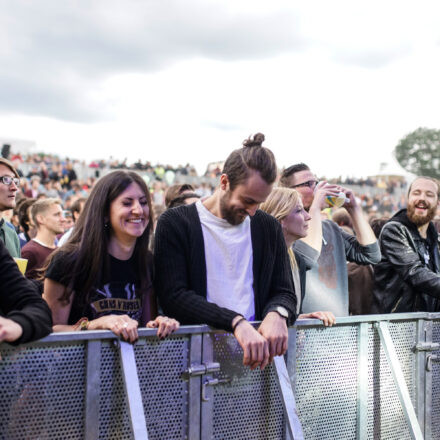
(364, 233)
(191, 308)
(314, 234)
(64, 328)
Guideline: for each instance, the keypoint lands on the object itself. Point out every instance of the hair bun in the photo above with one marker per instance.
(255, 141)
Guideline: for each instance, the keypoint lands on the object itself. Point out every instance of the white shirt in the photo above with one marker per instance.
(229, 258)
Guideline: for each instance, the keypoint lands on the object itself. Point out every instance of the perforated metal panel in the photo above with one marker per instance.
(114, 421)
(164, 393)
(42, 392)
(249, 407)
(326, 385)
(435, 415)
(385, 415)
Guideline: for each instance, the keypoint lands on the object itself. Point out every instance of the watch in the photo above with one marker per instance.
(281, 311)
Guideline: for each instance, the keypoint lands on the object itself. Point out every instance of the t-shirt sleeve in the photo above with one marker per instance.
(60, 268)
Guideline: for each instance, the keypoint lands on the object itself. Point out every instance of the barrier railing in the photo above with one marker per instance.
(368, 377)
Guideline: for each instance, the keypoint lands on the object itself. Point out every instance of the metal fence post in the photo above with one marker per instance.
(93, 387)
(399, 380)
(426, 392)
(133, 391)
(289, 404)
(194, 389)
(207, 403)
(362, 399)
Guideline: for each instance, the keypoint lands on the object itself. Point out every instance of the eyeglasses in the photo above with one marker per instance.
(7, 180)
(309, 183)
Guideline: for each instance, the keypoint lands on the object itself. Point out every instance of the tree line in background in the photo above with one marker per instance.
(419, 152)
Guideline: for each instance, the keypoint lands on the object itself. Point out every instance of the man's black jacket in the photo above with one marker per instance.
(403, 282)
(180, 269)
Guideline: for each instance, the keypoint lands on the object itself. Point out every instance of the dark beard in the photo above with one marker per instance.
(420, 220)
(232, 216)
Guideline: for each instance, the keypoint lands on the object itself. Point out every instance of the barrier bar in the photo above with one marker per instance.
(362, 399)
(93, 387)
(399, 380)
(290, 410)
(133, 391)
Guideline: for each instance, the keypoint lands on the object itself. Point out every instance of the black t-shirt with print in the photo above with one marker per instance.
(115, 296)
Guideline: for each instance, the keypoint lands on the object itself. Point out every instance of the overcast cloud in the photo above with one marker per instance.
(323, 80)
(55, 52)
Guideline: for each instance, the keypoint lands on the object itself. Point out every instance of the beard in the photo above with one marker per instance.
(420, 220)
(232, 215)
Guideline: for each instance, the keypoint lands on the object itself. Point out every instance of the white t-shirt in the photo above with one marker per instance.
(229, 258)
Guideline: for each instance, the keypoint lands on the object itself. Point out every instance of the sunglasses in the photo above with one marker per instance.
(7, 180)
(309, 183)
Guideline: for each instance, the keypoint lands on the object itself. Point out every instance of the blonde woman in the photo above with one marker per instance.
(286, 206)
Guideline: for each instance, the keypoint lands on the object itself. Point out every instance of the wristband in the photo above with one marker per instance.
(82, 324)
(238, 322)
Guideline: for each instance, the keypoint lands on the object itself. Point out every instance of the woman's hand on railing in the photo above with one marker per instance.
(327, 318)
(120, 325)
(165, 326)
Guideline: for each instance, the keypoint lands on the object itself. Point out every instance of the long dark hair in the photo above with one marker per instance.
(87, 248)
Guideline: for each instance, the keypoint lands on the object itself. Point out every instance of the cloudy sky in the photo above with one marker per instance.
(334, 84)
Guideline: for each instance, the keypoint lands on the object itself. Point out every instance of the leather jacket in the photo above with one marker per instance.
(403, 282)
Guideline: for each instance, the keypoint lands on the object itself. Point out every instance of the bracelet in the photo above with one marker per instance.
(238, 322)
(82, 324)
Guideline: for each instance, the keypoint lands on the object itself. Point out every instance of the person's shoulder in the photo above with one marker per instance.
(264, 218)
(330, 227)
(29, 246)
(184, 213)
(393, 228)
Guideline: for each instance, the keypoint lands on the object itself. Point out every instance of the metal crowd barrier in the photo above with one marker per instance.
(368, 377)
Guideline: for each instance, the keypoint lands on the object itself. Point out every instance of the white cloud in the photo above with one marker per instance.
(334, 84)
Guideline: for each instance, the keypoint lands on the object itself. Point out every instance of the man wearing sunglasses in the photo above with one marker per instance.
(327, 282)
(9, 185)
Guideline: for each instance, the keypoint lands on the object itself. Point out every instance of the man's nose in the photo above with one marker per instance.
(252, 211)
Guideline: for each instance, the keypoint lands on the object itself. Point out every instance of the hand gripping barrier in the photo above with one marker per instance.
(368, 377)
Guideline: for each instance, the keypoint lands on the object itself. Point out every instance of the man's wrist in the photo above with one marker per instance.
(237, 321)
(281, 311)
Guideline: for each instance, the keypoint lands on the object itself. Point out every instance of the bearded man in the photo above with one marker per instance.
(223, 262)
(408, 277)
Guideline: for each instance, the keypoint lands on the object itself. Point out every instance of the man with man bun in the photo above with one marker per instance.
(223, 262)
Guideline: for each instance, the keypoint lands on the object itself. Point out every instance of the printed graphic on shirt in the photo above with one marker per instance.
(327, 267)
(117, 298)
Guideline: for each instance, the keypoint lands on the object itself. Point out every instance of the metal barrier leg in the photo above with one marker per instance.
(91, 431)
(362, 399)
(293, 422)
(399, 380)
(195, 357)
(133, 391)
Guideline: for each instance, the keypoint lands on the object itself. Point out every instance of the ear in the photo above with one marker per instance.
(40, 219)
(224, 182)
(283, 226)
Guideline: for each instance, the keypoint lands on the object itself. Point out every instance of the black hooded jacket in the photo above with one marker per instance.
(403, 280)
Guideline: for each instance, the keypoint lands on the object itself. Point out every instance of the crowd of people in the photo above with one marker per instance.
(120, 251)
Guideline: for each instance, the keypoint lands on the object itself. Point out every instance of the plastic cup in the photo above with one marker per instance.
(336, 201)
(22, 264)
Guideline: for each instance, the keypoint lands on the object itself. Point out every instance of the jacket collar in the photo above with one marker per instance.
(402, 217)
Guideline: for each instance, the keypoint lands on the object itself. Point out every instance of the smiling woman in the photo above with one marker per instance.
(102, 277)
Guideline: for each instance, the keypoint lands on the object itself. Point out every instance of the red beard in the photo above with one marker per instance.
(423, 219)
